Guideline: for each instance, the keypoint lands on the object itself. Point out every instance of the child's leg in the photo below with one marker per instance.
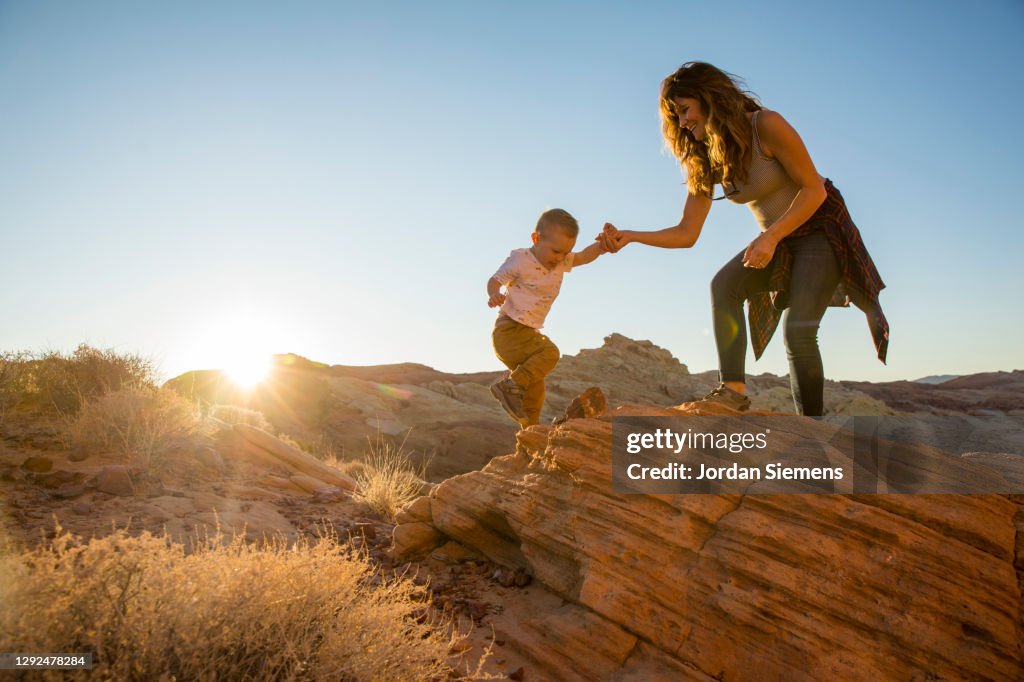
(533, 402)
(535, 368)
(530, 355)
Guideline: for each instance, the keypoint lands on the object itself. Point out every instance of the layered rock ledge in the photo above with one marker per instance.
(732, 587)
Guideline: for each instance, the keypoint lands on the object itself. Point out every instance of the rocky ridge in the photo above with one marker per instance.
(712, 587)
(451, 421)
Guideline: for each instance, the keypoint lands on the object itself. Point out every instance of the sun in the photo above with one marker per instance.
(248, 369)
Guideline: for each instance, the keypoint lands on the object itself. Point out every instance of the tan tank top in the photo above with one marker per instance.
(768, 189)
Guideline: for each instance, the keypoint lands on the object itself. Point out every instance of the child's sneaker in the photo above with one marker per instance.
(510, 395)
(723, 395)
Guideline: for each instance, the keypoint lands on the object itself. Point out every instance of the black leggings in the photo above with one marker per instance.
(814, 281)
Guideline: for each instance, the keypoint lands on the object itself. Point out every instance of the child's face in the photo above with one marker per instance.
(552, 248)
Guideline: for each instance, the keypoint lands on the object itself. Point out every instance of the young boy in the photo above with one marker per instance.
(532, 278)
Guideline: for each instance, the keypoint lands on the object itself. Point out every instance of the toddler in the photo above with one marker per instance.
(532, 278)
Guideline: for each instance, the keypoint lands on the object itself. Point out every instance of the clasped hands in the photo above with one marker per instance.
(611, 239)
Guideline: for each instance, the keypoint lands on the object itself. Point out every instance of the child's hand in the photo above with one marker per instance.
(610, 238)
(496, 300)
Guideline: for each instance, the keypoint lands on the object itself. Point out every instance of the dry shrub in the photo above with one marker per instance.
(140, 423)
(233, 414)
(56, 383)
(15, 380)
(388, 480)
(145, 608)
(353, 468)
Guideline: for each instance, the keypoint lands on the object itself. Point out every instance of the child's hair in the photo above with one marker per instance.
(557, 218)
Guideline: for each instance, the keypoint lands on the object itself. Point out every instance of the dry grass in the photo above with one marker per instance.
(141, 423)
(59, 384)
(234, 414)
(388, 481)
(148, 609)
(353, 468)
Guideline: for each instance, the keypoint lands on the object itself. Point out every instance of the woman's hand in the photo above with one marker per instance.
(612, 239)
(760, 252)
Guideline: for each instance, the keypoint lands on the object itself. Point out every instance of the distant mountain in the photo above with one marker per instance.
(936, 379)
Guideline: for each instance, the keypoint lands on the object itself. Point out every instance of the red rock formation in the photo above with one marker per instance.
(735, 587)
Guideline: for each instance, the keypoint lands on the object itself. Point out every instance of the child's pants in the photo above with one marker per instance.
(530, 355)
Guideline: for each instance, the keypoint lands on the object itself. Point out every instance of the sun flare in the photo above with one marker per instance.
(248, 370)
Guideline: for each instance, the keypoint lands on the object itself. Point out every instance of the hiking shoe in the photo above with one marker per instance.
(510, 395)
(723, 395)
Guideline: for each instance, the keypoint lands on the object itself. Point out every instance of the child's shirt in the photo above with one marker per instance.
(530, 287)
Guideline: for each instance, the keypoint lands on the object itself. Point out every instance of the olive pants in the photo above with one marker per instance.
(530, 356)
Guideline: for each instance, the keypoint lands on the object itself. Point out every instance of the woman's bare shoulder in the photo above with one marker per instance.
(771, 127)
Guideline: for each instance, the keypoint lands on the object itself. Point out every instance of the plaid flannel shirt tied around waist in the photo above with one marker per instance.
(859, 279)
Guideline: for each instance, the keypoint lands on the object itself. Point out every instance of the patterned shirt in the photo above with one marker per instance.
(530, 288)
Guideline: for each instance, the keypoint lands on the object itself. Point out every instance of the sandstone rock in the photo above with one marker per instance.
(452, 552)
(282, 484)
(297, 459)
(38, 465)
(590, 403)
(308, 484)
(328, 494)
(777, 587)
(82, 508)
(78, 453)
(211, 458)
(413, 539)
(252, 492)
(114, 479)
(417, 510)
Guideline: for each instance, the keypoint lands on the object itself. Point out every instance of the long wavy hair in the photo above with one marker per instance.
(724, 153)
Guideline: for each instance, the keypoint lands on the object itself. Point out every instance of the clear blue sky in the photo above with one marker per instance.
(339, 180)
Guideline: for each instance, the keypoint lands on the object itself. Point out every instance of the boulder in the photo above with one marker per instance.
(417, 510)
(590, 403)
(295, 458)
(37, 465)
(413, 539)
(114, 479)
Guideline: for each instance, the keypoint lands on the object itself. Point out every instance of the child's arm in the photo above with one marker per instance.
(588, 254)
(494, 296)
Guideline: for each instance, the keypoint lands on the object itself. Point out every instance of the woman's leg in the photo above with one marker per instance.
(729, 289)
(815, 277)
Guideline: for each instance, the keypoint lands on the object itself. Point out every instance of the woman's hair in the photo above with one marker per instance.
(724, 153)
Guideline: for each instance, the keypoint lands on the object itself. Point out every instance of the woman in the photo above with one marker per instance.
(809, 253)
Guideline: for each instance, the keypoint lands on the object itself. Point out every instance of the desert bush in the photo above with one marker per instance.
(15, 380)
(353, 468)
(148, 609)
(388, 480)
(141, 423)
(233, 414)
(55, 382)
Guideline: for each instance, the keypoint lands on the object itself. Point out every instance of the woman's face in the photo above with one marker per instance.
(690, 116)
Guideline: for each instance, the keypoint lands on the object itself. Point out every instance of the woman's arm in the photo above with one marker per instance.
(778, 139)
(681, 236)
